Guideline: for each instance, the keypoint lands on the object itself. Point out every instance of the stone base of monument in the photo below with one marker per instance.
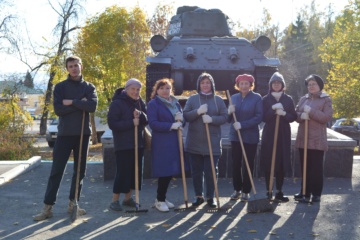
(338, 160)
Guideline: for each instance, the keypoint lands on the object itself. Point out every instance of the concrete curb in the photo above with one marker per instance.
(23, 166)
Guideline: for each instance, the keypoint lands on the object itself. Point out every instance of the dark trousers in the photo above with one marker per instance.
(200, 169)
(61, 153)
(163, 184)
(241, 180)
(278, 174)
(125, 170)
(314, 171)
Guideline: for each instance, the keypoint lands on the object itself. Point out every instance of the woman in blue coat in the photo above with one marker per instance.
(165, 118)
(248, 109)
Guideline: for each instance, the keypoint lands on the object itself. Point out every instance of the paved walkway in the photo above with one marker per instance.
(336, 217)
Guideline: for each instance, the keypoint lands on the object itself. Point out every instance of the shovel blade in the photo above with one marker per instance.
(74, 213)
(259, 205)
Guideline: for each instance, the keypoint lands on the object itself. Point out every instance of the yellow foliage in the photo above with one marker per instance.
(340, 52)
(113, 47)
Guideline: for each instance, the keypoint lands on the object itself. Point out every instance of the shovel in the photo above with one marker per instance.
(273, 156)
(74, 213)
(137, 205)
(180, 138)
(258, 205)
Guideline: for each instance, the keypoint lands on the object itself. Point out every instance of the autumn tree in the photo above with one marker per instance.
(13, 121)
(113, 46)
(53, 58)
(160, 20)
(341, 52)
(296, 57)
(266, 28)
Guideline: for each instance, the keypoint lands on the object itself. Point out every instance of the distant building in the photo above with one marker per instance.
(29, 98)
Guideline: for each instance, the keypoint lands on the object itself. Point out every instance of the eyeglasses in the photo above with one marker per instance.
(312, 85)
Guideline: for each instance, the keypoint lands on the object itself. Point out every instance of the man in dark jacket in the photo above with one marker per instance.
(73, 99)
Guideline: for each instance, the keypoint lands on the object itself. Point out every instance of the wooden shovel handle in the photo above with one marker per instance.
(242, 147)
(180, 139)
(212, 163)
(273, 157)
(305, 155)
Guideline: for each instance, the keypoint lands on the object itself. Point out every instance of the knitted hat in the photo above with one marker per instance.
(318, 80)
(245, 77)
(277, 77)
(132, 81)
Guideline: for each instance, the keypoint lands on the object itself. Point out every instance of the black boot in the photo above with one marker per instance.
(211, 203)
(280, 197)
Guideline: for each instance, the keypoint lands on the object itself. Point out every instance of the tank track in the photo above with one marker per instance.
(262, 76)
(155, 72)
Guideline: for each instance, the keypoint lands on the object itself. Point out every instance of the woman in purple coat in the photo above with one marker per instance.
(165, 118)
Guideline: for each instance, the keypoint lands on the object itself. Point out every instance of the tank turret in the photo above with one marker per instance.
(200, 40)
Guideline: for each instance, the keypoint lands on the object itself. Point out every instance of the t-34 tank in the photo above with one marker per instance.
(200, 40)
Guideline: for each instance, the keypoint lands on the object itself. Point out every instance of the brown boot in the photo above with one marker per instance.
(71, 207)
(46, 213)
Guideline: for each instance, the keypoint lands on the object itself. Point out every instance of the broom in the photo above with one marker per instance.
(74, 213)
(258, 205)
(273, 156)
(137, 205)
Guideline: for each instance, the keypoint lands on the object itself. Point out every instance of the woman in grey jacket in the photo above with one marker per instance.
(202, 108)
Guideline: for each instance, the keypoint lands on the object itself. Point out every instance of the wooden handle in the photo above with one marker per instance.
(242, 148)
(136, 165)
(180, 138)
(212, 163)
(305, 155)
(274, 153)
(79, 158)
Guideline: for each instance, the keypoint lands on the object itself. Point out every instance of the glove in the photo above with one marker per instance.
(202, 109)
(206, 119)
(277, 106)
(179, 117)
(307, 108)
(237, 126)
(231, 109)
(176, 125)
(136, 121)
(305, 116)
(280, 112)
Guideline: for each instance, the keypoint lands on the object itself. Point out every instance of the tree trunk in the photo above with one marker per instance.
(47, 102)
(93, 129)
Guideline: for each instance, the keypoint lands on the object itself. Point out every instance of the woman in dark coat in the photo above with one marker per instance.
(165, 118)
(277, 102)
(127, 109)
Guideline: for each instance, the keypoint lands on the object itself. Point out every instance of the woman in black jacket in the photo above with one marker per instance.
(277, 102)
(127, 110)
